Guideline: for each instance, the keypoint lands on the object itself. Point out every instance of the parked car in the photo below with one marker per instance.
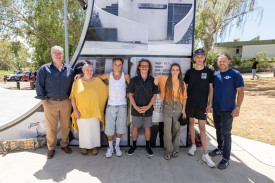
(12, 76)
(26, 77)
(19, 77)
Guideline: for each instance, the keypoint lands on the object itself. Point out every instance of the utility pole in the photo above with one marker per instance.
(66, 33)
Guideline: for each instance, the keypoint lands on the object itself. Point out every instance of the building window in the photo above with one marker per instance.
(237, 51)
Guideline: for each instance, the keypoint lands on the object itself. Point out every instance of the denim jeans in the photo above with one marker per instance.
(254, 73)
(223, 123)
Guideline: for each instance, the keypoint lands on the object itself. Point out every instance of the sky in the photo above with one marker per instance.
(265, 28)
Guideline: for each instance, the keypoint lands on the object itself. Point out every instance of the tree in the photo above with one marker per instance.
(13, 55)
(41, 24)
(213, 17)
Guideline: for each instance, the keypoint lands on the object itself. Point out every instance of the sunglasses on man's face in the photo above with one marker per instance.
(144, 66)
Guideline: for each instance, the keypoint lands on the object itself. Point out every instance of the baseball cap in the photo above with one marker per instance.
(198, 52)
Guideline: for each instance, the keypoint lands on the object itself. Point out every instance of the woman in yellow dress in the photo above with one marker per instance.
(173, 93)
(88, 96)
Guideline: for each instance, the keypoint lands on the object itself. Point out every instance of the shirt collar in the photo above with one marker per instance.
(63, 65)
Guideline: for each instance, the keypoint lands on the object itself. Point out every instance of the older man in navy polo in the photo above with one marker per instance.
(53, 85)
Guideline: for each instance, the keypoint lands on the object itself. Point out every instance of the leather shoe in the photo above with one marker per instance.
(67, 149)
(50, 154)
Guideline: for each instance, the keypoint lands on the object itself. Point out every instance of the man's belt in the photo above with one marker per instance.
(49, 98)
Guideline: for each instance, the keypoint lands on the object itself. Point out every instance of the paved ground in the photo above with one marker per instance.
(261, 74)
(32, 166)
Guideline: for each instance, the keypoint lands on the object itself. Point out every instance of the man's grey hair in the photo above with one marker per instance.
(57, 48)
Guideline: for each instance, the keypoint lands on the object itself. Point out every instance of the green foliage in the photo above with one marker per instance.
(211, 57)
(4, 72)
(247, 64)
(261, 56)
(265, 64)
(236, 61)
(41, 24)
(13, 55)
(262, 64)
(213, 17)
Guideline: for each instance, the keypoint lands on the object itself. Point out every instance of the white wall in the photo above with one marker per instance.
(127, 30)
(156, 19)
(250, 51)
(232, 51)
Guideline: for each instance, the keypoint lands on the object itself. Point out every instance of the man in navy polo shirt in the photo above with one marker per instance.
(228, 85)
(53, 86)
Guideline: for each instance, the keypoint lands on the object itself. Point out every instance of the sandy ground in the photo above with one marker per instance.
(256, 120)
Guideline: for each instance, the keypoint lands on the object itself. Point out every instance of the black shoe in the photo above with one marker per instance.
(131, 151)
(223, 164)
(149, 151)
(215, 152)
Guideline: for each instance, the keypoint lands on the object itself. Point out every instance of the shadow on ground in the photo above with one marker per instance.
(138, 167)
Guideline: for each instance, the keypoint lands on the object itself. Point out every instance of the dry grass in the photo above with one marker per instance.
(257, 117)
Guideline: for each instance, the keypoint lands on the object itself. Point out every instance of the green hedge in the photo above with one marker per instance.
(249, 69)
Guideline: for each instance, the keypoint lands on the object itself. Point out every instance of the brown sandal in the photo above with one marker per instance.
(167, 157)
(175, 154)
(94, 151)
(84, 151)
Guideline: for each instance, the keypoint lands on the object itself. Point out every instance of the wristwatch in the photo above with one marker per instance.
(238, 108)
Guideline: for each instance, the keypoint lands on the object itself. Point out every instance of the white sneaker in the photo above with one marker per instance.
(109, 152)
(206, 158)
(118, 151)
(192, 150)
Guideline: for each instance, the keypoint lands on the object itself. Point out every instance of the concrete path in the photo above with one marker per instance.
(261, 74)
(32, 166)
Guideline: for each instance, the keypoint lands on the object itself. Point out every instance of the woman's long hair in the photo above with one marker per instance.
(169, 93)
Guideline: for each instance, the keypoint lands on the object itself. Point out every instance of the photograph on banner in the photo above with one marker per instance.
(141, 27)
(160, 66)
(103, 65)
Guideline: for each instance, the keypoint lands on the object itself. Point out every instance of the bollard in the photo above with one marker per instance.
(32, 85)
(18, 85)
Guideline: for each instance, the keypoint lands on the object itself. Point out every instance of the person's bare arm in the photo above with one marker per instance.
(104, 76)
(257, 66)
(210, 98)
(127, 78)
(43, 101)
(183, 108)
(240, 97)
(132, 101)
(76, 112)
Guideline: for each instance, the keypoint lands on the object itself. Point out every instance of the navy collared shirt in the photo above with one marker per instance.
(137, 87)
(52, 83)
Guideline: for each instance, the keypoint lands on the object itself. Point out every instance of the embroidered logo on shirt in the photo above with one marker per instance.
(227, 77)
(203, 75)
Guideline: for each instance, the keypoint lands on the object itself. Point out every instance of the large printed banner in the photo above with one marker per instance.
(161, 31)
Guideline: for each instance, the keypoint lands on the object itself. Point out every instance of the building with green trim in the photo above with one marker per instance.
(246, 49)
